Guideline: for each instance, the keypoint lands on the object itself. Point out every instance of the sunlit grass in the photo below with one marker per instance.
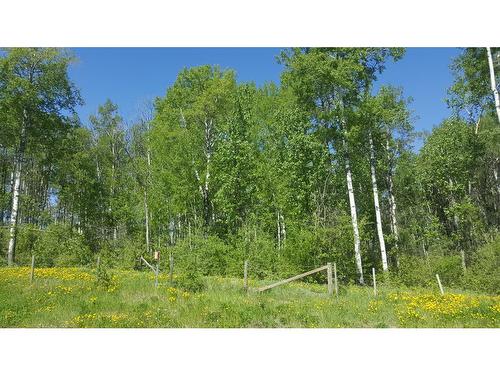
(70, 297)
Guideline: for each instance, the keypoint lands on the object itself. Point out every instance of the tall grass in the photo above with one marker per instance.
(72, 297)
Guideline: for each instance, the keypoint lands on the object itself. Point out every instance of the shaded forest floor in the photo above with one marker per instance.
(70, 297)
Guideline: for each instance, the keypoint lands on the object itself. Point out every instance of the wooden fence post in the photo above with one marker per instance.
(374, 282)
(156, 273)
(440, 285)
(32, 274)
(329, 277)
(335, 279)
(171, 270)
(245, 276)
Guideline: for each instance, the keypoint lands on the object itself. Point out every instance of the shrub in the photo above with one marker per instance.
(449, 268)
(412, 271)
(58, 245)
(190, 281)
(484, 272)
(418, 271)
(259, 250)
(208, 256)
(27, 237)
(123, 255)
(103, 277)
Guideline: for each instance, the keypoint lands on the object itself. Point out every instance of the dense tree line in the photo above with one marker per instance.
(320, 168)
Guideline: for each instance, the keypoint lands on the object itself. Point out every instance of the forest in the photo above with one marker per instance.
(318, 168)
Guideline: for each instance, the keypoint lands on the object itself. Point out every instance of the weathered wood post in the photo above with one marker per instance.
(329, 277)
(440, 285)
(171, 270)
(157, 273)
(157, 270)
(374, 282)
(32, 274)
(245, 276)
(335, 279)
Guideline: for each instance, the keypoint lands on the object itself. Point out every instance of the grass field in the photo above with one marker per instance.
(70, 297)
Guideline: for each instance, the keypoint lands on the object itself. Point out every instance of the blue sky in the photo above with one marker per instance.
(128, 76)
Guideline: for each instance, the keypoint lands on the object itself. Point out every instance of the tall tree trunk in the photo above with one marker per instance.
(146, 216)
(392, 203)
(456, 224)
(493, 82)
(113, 183)
(11, 251)
(279, 230)
(378, 217)
(354, 217)
(283, 231)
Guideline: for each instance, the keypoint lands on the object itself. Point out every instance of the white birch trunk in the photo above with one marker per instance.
(392, 200)
(283, 231)
(16, 187)
(377, 206)
(354, 217)
(493, 82)
(495, 175)
(392, 203)
(279, 230)
(13, 215)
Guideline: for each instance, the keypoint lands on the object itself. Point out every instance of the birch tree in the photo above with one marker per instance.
(190, 118)
(331, 82)
(35, 93)
(446, 164)
(110, 143)
(494, 87)
(386, 117)
(473, 91)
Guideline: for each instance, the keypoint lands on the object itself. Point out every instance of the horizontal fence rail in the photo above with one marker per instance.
(261, 289)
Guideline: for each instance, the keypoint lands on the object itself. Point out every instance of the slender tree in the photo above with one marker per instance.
(35, 93)
(493, 83)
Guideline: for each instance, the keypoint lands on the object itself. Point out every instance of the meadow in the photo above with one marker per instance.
(74, 297)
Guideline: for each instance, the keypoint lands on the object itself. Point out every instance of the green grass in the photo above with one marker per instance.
(70, 297)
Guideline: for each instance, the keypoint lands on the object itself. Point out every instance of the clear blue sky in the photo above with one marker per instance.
(128, 76)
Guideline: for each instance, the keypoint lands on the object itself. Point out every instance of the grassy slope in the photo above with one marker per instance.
(68, 297)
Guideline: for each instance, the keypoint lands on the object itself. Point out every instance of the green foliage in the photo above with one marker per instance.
(206, 255)
(191, 281)
(414, 271)
(224, 171)
(58, 245)
(56, 301)
(483, 274)
(104, 278)
(122, 255)
(471, 90)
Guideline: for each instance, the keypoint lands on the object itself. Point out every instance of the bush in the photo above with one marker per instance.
(484, 272)
(412, 271)
(123, 255)
(191, 282)
(259, 250)
(27, 237)
(58, 245)
(421, 272)
(103, 277)
(449, 268)
(208, 256)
